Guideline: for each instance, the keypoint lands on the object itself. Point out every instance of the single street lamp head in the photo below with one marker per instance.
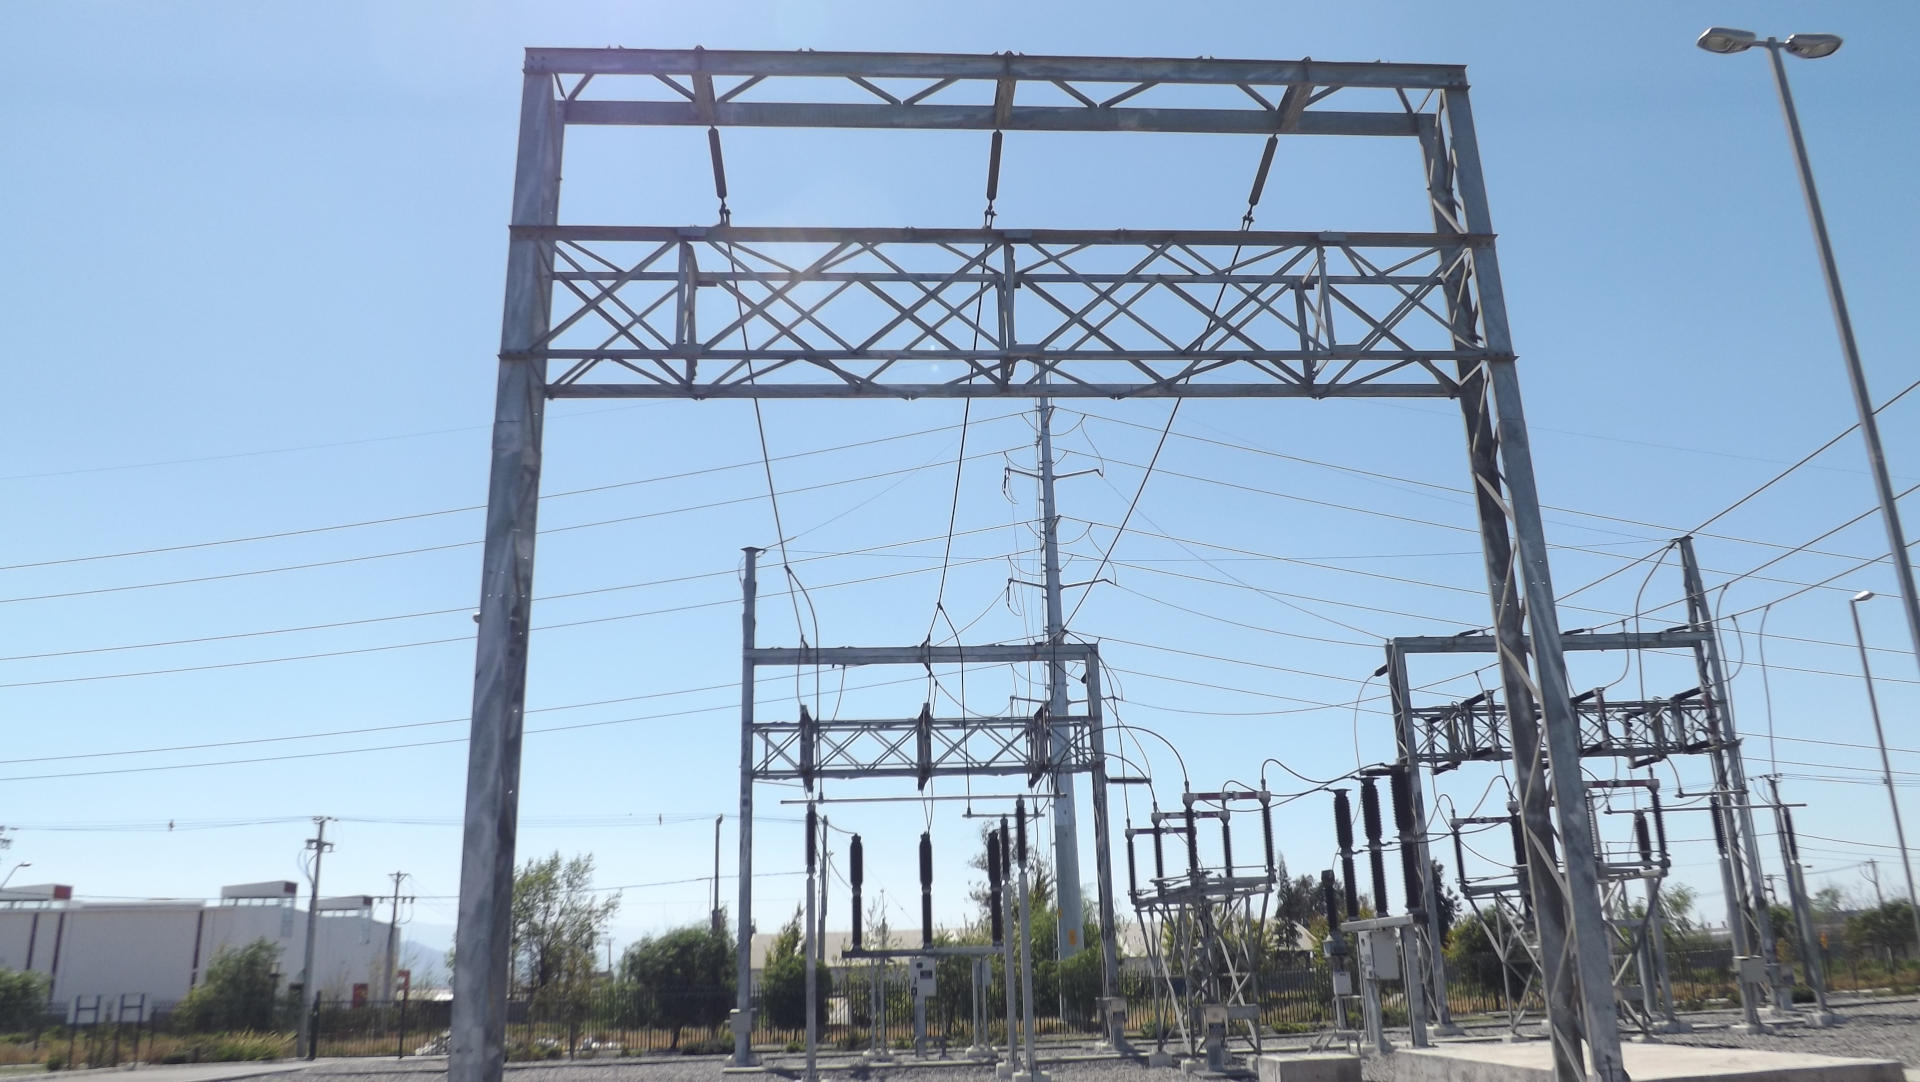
(1864, 595)
(1721, 39)
(1812, 46)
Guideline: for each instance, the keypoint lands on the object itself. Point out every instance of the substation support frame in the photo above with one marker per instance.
(724, 311)
(1192, 906)
(1699, 721)
(920, 748)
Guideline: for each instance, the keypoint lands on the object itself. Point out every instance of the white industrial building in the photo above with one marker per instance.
(160, 948)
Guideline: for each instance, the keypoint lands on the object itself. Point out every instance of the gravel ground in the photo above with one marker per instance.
(1885, 1029)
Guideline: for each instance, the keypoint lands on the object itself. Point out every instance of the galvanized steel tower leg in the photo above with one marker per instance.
(477, 1046)
(743, 948)
(1066, 828)
(1586, 979)
(1533, 803)
(1432, 953)
(1103, 857)
(1742, 837)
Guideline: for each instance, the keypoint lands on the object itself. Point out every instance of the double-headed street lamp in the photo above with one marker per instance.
(1720, 39)
(1886, 766)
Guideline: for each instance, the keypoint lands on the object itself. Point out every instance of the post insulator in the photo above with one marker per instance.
(813, 830)
(1343, 820)
(1193, 845)
(1377, 863)
(926, 889)
(1793, 838)
(1159, 855)
(1411, 880)
(1642, 838)
(1133, 874)
(1400, 787)
(1519, 841)
(1226, 844)
(1370, 810)
(1329, 901)
(856, 873)
(1020, 830)
(806, 749)
(1266, 833)
(1719, 829)
(1659, 825)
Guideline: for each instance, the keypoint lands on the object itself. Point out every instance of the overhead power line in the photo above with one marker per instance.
(338, 526)
(544, 531)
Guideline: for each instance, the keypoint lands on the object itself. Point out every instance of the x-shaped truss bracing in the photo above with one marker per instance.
(965, 747)
(1644, 731)
(794, 313)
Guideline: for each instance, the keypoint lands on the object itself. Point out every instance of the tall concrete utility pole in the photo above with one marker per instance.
(715, 910)
(393, 937)
(303, 1043)
(1066, 830)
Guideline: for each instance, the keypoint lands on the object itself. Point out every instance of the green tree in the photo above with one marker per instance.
(1887, 928)
(1296, 900)
(1473, 955)
(236, 993)
(23, 1000)
(557, 923)
(783, 981)
(682, 978)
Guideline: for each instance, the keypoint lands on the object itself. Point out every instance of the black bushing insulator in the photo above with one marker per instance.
(813, 831)
(1400, 788)
(1370, 810)
(1642, 838)
(1343, 820)
(1659, 824)
(1226, 844)
(993, 862)
(1329, 902)
(1266, 833)
(1377, 863)
(856, 872)
(1719, 828)
(1133, 873)
(1193, 845)
(1020, 830)
(926, 889)
(1519, 841)
(1006, 853)
(1346, 881)
(1410, 879)
(1793, 839)
(1159, 856)
(993, 166)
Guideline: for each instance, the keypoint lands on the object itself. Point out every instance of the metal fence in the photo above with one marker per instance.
(1294, 993)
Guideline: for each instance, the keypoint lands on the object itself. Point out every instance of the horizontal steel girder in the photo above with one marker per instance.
(892, 748)
(1476, 730)
(981, 92)
(725, 312)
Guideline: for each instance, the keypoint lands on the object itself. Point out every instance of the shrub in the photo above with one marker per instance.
(237, 993)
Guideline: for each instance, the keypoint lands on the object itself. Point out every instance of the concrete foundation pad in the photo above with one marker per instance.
(1533, 1062)
(1311, 1067)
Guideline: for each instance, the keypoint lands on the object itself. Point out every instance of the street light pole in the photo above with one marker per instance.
(1886, 767)
(1813, 47)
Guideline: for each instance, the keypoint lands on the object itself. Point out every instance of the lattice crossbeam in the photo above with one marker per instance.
(794, 312)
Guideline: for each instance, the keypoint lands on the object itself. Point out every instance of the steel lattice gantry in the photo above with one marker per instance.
(652, 309)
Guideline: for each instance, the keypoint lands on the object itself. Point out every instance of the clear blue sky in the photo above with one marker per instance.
(255, 288)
